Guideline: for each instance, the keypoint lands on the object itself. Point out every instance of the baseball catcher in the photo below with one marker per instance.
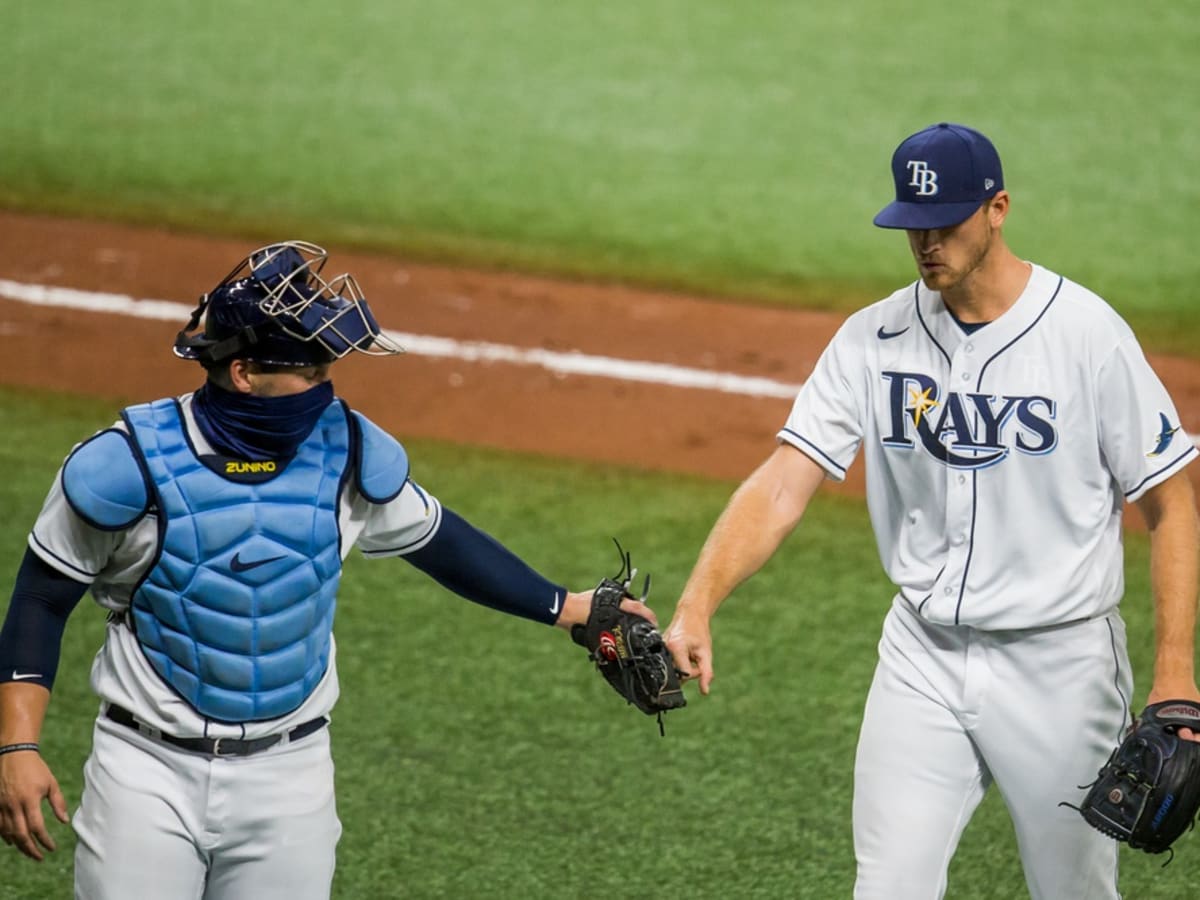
(627, 649)
(211, 527)
(1149, 790)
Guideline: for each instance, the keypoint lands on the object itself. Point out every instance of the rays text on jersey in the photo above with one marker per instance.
(965, 430)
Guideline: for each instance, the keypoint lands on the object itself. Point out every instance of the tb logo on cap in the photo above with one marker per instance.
(924, 179)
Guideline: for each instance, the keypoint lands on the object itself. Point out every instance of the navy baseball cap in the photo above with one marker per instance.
(943, 174)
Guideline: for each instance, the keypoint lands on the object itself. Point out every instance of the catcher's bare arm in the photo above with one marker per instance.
(25, 779)
(762, 512)
(1170, 512)
(30, 642)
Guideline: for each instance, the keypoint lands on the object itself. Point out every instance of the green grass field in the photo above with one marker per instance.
(733, 149)
(736, 149)
(478, 756)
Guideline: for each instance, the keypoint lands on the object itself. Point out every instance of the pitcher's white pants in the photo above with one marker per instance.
(159, 822)
(952, 709)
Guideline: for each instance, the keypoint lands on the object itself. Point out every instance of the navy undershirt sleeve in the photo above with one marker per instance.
(475, 565)
(31, 638)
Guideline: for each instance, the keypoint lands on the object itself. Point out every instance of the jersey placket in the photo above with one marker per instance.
(960, 499)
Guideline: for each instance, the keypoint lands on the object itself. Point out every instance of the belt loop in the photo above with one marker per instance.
(137, 724)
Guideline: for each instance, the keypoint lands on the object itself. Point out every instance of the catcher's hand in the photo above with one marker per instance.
(1149, 790)
(627, 648)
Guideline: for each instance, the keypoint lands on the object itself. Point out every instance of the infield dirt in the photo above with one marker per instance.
(500, 405)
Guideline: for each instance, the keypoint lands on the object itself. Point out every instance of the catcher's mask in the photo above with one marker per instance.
(276, 308)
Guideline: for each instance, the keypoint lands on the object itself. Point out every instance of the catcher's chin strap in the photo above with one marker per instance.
(206, 349)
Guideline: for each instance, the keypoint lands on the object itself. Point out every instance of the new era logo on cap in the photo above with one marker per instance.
(942, 174)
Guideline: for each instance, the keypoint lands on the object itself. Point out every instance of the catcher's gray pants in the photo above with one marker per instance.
(156, 821)
(952, 709)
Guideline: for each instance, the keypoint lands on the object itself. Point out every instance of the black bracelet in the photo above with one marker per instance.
(13, 748)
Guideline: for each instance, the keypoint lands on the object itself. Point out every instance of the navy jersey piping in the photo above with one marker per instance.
(1125, 715)
(921, 319)
(1137, 487)
(817, 449)
(929, 596)
(1028, 328)
(404, 548)
(962, 589)
(91, 576)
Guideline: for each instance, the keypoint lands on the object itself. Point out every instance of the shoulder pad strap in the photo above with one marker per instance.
(382, 464)
(103, 482)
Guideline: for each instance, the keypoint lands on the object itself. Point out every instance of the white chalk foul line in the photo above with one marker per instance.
(572, 363)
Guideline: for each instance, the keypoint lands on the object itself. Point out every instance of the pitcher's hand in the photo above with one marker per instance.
(690, 641)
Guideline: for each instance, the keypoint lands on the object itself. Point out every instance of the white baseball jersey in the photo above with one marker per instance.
(997, 462)
(112, 563)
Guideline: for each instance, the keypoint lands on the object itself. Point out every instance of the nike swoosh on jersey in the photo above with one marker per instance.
(557, 603)
(24, 676)
(238, 566)
(885, 335)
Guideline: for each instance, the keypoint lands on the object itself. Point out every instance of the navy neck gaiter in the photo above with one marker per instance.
(249, 427)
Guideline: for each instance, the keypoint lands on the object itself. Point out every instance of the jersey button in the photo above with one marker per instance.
(969, 348)
(958, 539)
(962, 479)
(949, 591)
(966, 376)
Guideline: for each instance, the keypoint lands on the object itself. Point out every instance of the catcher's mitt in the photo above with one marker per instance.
(627, 649)
(1149, 790)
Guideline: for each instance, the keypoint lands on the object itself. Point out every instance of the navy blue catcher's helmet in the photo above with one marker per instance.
(276, 308)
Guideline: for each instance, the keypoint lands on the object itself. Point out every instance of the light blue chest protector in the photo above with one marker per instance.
(236, 613)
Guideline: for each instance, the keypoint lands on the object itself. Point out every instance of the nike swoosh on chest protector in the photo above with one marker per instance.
(237, 565)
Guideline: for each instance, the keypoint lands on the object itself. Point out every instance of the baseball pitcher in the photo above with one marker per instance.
(1005, 415)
